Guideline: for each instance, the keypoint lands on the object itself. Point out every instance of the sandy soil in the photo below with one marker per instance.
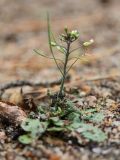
(23, 28)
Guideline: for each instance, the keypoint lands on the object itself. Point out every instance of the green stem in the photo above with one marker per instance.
(64, 70)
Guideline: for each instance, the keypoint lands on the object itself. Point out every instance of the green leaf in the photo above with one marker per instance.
(41, 109)
(97, 117)
(88, 113)
(34, 127)
(25, 139)
(60, 123)
(95, 135)
(56, 112)
(88, 131)
(30, 124)
(56, 129)
(74, 117)
(70, 104)
(43, 126)
(56, 121)
(70, 107)
(91, 132)
(74, 125)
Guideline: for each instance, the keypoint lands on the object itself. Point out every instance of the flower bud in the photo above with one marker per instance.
(53, 44)
(86, 44)
(66, 30)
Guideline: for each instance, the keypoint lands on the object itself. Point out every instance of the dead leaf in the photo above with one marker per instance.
(16, 98)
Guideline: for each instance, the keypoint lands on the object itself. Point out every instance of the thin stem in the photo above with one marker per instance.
(80, 47)
(43, 55)
(79, 57)
(71, 65)
(64, 70)
(75, 49)
(57, 45)
(49, 38)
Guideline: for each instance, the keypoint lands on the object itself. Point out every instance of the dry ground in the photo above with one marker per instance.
(23, 28)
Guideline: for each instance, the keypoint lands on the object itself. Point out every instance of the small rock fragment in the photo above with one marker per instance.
(97, 150)
(91, 100)
(2, 135)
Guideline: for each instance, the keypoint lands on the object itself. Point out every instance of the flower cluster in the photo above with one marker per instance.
(69, 36)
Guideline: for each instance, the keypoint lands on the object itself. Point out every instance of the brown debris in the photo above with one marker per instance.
(12, 113)
(28, 103)
(16, 98)
(23, 28)
(10, 155)
(54, 157)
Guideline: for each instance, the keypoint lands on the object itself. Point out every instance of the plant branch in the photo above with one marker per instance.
(75, 49)
(43, 55)
(64, 70)
(71, 65)
(81, 58)
(49, 38)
